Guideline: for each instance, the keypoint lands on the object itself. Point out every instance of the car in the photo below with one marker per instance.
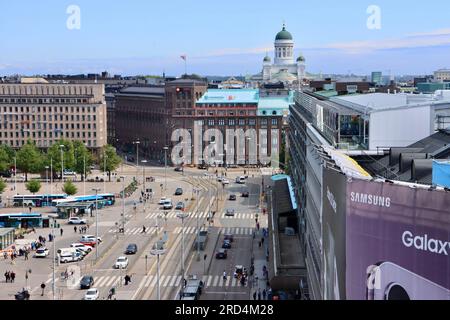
(86, 282)
(91, 294)
(131, 249)
(225, 181)
(240, 180)
(81, 246)
(167, 204)
(121, 263)
(226, 244)
(229, 212)
(89, 240)
(228, 236)
(41, 253)
(232, 197)
(202, 166)
(81, 252)
(220, 179)
(221, 254)
(67, 256)
(76, 220)
(180, 206)
(178, 169)
(245, 194)
(162, 200)
(69, 173)
(178, 191)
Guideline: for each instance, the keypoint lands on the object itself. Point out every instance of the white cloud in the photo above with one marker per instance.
(236, 51)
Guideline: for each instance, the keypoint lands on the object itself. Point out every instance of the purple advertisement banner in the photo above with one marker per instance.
(397, 243)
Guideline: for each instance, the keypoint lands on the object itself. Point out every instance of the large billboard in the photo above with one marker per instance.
(397, 242)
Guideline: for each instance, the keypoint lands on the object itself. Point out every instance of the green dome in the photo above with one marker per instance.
(301, 59)
(283, 35)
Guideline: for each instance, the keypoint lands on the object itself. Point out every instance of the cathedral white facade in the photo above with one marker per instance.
(284, 68)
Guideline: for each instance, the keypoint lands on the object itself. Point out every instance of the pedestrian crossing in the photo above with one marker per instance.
(175, 281)
(136, 230)
(232, 230)
(239, 216)
(200, 215)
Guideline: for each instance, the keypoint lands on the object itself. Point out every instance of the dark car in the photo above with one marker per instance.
(221, 254)
(131, 249)
(226, 244)
(232, 197)
(178, 192)
(179, 206)
(86, 282)
(178, 169)
(245, 194)
(228, 236)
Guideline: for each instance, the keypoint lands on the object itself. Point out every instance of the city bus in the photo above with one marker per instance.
(109, 197)
(36, 200)
(21, 220)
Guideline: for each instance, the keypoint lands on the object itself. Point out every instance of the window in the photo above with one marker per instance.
(231, 122)
(274, 122)
(251, 122)
(221, 122)
(242, 122)
(264, 122)
(210, 122)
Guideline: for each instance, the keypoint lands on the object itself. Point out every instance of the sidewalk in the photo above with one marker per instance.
(259, 283)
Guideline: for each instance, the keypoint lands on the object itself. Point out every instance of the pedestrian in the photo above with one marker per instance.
(13, 276)
(26, 255)
(75, 229)
(259, 294)
(259, 244)
(143, 229)
(61, 231)
(257, 226)
(264, 294)
(6, 276)
(42, 287)
(254, 295)
(29, 208)
(224, 276)
(5, 255)
(262, 240)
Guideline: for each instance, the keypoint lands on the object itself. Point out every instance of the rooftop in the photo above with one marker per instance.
(274, 102)
(230, 96)
(142, 91)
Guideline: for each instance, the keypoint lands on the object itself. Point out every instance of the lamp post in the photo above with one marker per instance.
(182, 216)
(54, 216)
(104, 171)
(198, 224)
(51, 175)
(165, 167)
(15, 173)
(84, 172)
(157, 250)
(143, 173)
(122, 178)
(46, 181)
(96, 222)
(62, 162)
(137, 142)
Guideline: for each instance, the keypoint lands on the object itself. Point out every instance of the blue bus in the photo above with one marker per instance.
(21, 220)
(36, 200)
(109, 197)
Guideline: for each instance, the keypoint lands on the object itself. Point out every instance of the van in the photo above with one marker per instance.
(69, 255)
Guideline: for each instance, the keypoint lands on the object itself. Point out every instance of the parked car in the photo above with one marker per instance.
(41, 252)
(245, 194)
(225, 181)
(91, 294)
(232, 197)
(86, 282)
(131, 249)
(178, 191)
(162, 200)
(121, 263)
(77, 220)
(221, 254)
(180, 206)
(89, 240)
(81, 246)
(240, 180)
(70, 256)
(167, 205)
(178, 169)
(229, 212)
(220, 179)
(69, 173)
(228, 236)
(226, 244)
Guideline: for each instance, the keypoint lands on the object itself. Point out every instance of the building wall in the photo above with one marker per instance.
(46, 113)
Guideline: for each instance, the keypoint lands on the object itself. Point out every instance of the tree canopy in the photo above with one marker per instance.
(69, 188)
(109, 160)
(29, 159)
(33, 186)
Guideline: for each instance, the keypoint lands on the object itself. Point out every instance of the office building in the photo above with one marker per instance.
(442, 75)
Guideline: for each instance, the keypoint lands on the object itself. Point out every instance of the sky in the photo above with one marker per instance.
(221, 37)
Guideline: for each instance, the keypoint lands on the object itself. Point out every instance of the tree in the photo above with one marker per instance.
(6, 157)
(29, 159)
(69, 188)
(33, 186)
(109, 160)
(2, 186)
(82, 158)
(54, 153)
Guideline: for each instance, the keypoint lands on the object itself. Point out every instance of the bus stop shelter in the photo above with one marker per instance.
(6, 237)
(66, 210)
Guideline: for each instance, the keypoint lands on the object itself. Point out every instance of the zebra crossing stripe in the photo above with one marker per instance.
(166, 282)
(154, 282)
(233, 282)
(100, 282)
(148, 279)
(216, 280)
(174, 278)
(209, 280)
(110, 282)
(177, 282)
(176, 230)
(228, 281)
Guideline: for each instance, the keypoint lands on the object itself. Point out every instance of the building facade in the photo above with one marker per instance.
(45, 113)
(442, 75)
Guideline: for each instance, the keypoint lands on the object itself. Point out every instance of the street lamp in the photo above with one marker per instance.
(104, 171)
(15, 172)
(157, 250)
(165, 167)
(137, 142)
(198, 224)
(122, 178)
(143, 173)
(51, 175)
(182, 216)
(62, 162)
(46, 180)
(54, 216)
(96, 222)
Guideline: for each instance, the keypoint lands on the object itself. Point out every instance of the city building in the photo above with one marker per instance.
(431, 87)
(47, 112)
(377, 78)
(285, 68)
(111, 117)
(442, 75)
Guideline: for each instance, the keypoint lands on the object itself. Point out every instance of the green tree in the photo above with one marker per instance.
(109, 160)
(33, 186)
(69, 188)
(83, 158)
(6, 157)
(29, 159)
(2, 186)
(54, 153)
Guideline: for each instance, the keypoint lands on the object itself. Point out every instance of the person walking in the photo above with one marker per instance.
(254, 295)
(43, 288)
(143, 229)
(13, 276)
(26, 254)
(264, 294)
(6, 276)
(224, 276)
(259, 294)
(75, 229)
(262, 240)
(61, 231)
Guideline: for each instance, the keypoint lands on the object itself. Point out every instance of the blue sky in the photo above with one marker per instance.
(221, 37)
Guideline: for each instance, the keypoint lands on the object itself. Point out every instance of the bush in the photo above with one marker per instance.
(33, 186)
(69, 188)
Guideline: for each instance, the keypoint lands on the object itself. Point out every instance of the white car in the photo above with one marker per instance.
(91, 294)
(41, 253)
(220, 179)
(81, 246)
(225, 181)
(76, 220)
(162, 200)
(121, 263)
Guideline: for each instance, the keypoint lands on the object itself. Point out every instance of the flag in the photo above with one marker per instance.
(183, 57)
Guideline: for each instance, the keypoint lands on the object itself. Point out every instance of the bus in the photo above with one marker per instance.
(109, 197)
(21, 220)
(36, 200)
